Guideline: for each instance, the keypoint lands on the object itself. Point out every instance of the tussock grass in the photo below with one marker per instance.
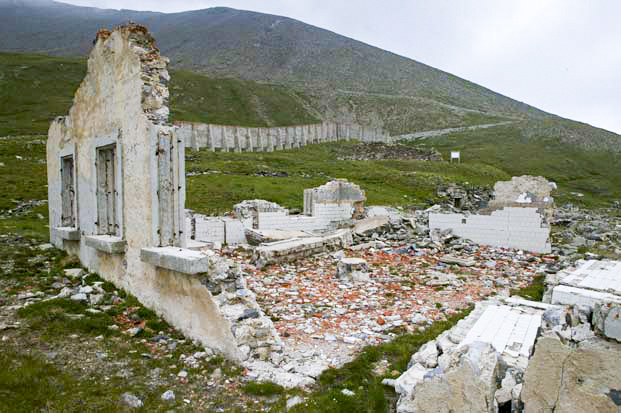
(358, 376)
(534, 291)
(233, 177)
(58, 317)
(263, 389)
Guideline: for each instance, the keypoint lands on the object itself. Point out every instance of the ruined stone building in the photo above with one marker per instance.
(117, 188)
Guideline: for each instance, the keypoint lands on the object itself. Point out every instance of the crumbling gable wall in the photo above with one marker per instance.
(129, 186)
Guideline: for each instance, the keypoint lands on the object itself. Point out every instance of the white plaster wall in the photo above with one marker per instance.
(108, 105)
(520, 228)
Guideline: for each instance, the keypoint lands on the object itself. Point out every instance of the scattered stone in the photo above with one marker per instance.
(353, 269)
(168, 395)
(79, 297)
(74, 272)
(463, 262)
(293, 401)
(131, 400)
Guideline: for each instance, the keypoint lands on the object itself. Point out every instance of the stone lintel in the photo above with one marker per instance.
(106, 243)
(182, 260)
(68, 233)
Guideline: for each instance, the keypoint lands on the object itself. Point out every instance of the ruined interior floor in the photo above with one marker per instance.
(318, 315)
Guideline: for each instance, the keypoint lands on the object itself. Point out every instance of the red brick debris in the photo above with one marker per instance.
(309, 304)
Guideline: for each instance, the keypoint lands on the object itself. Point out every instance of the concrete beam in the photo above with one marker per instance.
(177, 259)
(68, 233)
(106, 243)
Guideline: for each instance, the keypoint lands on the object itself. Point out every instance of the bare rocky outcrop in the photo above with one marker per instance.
(565, 378)
(523, 190)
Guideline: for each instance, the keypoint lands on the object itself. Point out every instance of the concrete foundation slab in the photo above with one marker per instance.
(592, 282)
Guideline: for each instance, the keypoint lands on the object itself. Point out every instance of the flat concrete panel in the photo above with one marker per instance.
(506, 328)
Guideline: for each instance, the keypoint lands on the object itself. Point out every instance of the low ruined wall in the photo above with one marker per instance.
(244, 139)
(223, 230)
(521, 228)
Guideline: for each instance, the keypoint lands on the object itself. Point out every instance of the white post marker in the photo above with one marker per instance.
(455, 155)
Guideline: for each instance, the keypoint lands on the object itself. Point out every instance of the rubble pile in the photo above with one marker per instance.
(465, 198)
(486, 363)
(253, 331)
(405, 286)
(577, 230)
(378, 151)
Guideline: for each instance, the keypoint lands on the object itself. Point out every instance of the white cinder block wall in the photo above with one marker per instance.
(510, 227)
(323, 216)
(232, 231)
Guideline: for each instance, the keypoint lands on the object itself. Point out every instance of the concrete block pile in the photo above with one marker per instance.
(515, 356)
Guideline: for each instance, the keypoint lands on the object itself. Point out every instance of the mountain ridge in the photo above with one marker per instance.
(341, 78)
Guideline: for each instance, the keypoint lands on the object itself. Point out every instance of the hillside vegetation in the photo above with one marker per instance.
(321, 74)
(36, 88)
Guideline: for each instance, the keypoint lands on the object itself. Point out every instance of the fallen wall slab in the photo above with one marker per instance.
(296, 248)
(592, 282)
(461, 369)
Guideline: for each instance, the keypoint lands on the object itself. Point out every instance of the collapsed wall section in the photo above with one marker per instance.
(510, 227)
(326, 209)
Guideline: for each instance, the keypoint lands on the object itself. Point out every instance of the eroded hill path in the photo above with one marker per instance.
(439, 132)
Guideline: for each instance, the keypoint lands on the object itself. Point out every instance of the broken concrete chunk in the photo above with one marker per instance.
(469, 387)
(524, 189)
(74, 272)
(607, 320)
(353, 269)
(463, 262)
(427, 355)
(562, 378)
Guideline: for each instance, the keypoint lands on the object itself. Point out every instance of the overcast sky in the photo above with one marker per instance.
(562, 56)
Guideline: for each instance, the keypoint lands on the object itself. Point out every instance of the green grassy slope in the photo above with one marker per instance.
(537, 149)
(199, 98)
(35, 88)
(222, 179)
